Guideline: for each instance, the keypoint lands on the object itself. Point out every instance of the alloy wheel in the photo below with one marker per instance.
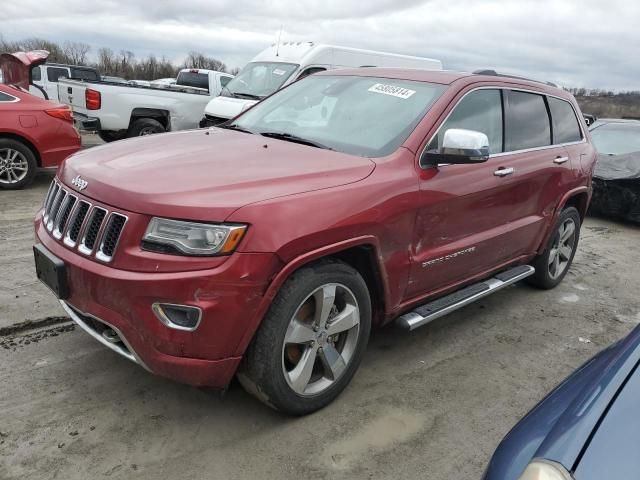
(13, 166)
(562, 248)
(321, 339)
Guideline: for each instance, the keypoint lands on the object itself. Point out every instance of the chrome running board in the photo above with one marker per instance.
(442, 306)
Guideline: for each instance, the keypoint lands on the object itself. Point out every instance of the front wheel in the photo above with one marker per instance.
(311, 341)
(553, 264)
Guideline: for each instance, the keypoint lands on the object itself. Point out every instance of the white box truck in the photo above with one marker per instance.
(284, 63)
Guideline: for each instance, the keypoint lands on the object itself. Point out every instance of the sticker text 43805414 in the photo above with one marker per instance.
(392, 90)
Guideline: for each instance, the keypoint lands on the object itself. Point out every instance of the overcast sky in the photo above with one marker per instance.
(574, 43)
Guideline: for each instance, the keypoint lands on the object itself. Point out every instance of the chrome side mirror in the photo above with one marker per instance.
(459, 146)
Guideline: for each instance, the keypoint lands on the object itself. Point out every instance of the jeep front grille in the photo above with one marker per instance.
(82, 225)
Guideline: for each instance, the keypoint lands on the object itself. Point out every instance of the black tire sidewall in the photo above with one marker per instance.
(268, 343)
(32, 164)
(109, 136)
(542, 277)
(142, 123)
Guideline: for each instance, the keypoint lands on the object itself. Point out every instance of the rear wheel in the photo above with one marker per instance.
(311, 341)
(109, 136)
(145, 126)
(552, 266)
(18, 164)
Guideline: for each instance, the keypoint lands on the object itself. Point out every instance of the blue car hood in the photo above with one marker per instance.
(559, 427)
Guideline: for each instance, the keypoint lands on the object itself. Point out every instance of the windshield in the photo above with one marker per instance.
(259, 79)
(363, 116)
(616, 138)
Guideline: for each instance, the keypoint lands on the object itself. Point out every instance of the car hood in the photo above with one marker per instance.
(16, 67)
(227, 107)
(560, 425)
(618, 167)
(206, 174)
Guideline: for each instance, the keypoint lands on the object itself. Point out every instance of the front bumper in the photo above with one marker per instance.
(85, 122)
(102, 297)
(211, 121)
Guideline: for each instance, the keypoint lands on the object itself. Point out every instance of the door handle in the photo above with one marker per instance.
(503, 172)
(561, 160)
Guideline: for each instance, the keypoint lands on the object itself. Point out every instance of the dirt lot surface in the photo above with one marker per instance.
(431, 404)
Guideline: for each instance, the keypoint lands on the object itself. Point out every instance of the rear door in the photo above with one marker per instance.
(540, 170)
(53, 75)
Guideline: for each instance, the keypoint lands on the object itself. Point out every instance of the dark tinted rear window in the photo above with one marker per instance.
(82, 74)
(54, 73)
(36, 74)
(565, 124)
(193, 79)
(527, 123)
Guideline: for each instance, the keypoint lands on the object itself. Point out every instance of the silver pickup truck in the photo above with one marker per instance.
(119, 111)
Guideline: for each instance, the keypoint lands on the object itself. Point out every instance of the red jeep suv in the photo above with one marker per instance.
(268, 248)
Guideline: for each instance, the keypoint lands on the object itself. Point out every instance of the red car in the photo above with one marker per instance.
(269, 247)
(34, 133)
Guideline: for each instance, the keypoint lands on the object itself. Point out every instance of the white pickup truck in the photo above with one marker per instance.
(119, 111)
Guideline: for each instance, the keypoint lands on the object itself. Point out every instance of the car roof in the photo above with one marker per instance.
(600, 122)
(618, 120)
(64, 65)
(447, 77)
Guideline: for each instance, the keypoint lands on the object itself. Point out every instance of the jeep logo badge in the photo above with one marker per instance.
(79, 182)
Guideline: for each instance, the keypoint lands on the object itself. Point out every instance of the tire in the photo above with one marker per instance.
(18, 164)
(145, 126)
(273, 366)
(554, 263)
(110, 136)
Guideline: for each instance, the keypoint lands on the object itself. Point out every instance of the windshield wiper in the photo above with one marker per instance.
(248, 96)
(233, 126)
(295, 139)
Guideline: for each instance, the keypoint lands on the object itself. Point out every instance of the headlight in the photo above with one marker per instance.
(192, 238)
(540, 469)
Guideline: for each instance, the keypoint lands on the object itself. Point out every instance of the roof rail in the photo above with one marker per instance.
(493, 73)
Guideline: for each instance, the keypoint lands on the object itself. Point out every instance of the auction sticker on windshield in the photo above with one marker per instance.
(399, 92)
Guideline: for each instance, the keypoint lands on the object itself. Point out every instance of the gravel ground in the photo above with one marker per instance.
(429, 404)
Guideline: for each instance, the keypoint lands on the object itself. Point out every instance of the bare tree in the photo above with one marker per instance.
(76, 52)
(106, 61)
(199, 60)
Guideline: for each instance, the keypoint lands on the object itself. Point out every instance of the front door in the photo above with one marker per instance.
(460, 220)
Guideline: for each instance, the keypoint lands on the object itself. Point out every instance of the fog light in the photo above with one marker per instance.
(180, 317)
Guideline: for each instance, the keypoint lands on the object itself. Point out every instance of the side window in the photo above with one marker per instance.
(224, 81)
(480, 111)
(565, 124)
(54, 73)
(310, 71)
(83, 74)
(6, 98)
(36, 74)
(527, 124)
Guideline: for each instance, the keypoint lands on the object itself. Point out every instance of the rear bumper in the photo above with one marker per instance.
(85, 122)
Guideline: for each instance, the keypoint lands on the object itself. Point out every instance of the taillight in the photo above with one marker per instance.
(92, 99)
(63, 113)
